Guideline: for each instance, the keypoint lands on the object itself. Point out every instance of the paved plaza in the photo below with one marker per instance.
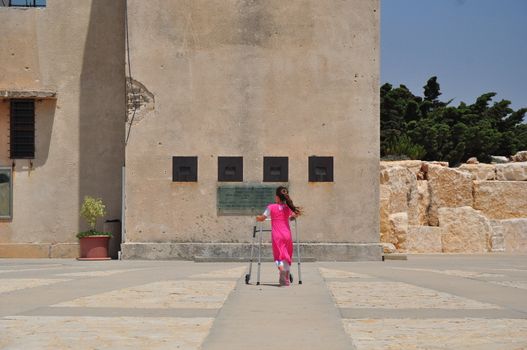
(425, 302)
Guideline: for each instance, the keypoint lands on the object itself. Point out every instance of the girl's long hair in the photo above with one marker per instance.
(283, 194)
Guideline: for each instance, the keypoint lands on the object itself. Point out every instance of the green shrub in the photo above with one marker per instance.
(91, 210)
(402, 146)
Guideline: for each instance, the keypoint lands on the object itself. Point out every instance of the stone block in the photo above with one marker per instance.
(465, 230)
(497, 239)
(398, 230)
(403, 188)
(388, 248)
(384, 211)
(511, 172)
(413, 165)
(234, 251)
(480, 171)
(423, 202)
(500, 200)
(514, 232)
(424, 239)
(520, 156)
(499, 159)
(449, 188)
(425, 166)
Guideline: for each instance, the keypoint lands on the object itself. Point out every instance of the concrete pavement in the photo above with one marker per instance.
(426, 302)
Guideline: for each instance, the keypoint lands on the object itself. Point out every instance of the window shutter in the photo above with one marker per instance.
(22, 129)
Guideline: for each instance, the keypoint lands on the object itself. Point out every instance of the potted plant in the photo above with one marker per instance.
(93, 244)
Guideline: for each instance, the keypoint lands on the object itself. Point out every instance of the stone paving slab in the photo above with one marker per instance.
(95, 273)
(457, 273)
(88, 332)
(427, 302)
(398, 295)
(426, 313)
(514, 284)
(121, 311)
(12, 284)
(163, 294)
(267, 316)
(442, 333)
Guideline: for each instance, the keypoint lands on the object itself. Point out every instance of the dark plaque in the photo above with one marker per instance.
(244, 199)
(184, 169)
(320, 169)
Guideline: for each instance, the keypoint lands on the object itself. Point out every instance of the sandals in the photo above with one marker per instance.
(282, 281)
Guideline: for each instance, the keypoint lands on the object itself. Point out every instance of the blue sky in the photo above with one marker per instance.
(472, 46)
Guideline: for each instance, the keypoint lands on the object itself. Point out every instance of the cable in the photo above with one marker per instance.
(129, 75)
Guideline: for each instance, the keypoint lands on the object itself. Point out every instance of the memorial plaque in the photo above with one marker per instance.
(244, 199)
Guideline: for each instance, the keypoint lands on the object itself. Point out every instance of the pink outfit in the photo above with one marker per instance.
(281, 232)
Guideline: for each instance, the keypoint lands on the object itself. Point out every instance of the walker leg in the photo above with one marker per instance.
(259, 256)
(248, 276)
(298, 252)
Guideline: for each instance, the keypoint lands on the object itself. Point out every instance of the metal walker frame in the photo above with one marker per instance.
(259, 228)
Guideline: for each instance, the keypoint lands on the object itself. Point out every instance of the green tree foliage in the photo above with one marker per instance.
(427, 128)
(402, 148)
(91, 210)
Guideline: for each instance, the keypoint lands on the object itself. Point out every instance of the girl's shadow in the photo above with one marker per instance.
(269, 284)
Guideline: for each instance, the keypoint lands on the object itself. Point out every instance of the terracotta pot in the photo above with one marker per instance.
(94, 248)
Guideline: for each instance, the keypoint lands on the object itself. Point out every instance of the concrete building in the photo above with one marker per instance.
(222, 96)
(66, 59)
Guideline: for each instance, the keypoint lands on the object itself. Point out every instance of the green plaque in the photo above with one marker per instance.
(6, 193)
(244, 199)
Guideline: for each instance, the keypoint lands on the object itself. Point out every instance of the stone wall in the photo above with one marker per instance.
(427, 207)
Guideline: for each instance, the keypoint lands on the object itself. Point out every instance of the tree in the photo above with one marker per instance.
(427, 128)
(431, 89)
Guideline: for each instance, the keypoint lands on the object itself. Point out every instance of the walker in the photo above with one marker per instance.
(259, 228)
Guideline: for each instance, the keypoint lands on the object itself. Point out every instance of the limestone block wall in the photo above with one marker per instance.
(427, 207)
(75, 49)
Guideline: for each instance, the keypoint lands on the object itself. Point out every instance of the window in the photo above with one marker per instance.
(23, 3)
(276, 169)
(230, 169)
(22, 136)
(320, 169)
(185, 169)
(6, 193)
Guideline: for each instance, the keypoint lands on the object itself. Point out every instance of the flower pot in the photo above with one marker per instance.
(94, 248)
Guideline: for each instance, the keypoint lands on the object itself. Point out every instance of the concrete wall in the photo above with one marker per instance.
(77, 49)
(254, 79)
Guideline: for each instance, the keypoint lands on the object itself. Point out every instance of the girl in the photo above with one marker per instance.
(280, 214)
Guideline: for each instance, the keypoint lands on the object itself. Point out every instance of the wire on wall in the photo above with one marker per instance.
(129, 84)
